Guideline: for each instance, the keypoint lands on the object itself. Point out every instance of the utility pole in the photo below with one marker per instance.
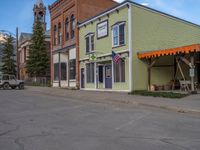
(17, 53)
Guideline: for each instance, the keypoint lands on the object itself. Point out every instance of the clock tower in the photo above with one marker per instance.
(40, 12)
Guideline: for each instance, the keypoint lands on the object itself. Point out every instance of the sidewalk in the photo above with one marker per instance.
(187, 104)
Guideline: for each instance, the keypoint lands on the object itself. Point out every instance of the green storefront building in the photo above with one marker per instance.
(148, 41)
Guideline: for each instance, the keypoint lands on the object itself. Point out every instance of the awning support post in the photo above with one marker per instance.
(150, 65)
(193, 91)
(149, 74)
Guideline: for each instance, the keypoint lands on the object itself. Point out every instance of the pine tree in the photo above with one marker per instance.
(38, 64)
(8, 57)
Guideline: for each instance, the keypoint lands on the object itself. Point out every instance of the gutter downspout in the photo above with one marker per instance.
(130, 47)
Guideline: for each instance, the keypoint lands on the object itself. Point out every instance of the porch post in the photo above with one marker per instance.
(192, 75)
(95, 74)
(59, 69)
(68, 70)
(149, 74)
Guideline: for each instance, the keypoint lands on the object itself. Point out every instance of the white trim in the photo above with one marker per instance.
(113, 74)
(95, 74)
(90, 42)
(107, 54)
(104, 78)
(142, 7)
(104, 90)
(118, 36)
(130, 47)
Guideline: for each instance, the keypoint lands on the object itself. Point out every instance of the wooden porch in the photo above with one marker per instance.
(188, 55)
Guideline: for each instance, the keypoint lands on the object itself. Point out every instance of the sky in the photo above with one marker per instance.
(19, 13)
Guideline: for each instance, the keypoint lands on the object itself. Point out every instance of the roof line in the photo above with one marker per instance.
(138, 5)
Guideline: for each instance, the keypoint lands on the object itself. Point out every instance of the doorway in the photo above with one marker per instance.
(108, 76)
(82, 78)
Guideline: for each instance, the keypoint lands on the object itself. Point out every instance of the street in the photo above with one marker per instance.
(32, 120)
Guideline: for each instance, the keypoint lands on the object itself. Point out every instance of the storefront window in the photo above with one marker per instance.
(72, 69)
(90, 72)
(56, 71)
(101, 74)
(119, 71)
(63, 71)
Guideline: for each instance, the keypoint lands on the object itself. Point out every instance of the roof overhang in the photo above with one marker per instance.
(172, 51)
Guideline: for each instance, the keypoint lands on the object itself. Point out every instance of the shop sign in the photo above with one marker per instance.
(102, 29)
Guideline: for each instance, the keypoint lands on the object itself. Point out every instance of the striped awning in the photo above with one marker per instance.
(172, 51)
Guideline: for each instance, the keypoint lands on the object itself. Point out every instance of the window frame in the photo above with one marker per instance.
(72, 26)
(90, 36)
(55, 35)
(117, 25)
(59, 33)
(66, 29)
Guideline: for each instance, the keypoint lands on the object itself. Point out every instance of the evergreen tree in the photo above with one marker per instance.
(8, 57)
(38, 64)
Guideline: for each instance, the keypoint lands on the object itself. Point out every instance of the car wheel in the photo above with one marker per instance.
(21, 86)
(6, 86)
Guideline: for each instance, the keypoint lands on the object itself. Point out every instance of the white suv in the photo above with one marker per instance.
(9, 81)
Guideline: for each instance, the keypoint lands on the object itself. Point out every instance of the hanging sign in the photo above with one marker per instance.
(93, 57)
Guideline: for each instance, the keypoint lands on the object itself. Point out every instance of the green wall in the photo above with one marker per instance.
(153, 31)
(104, 46)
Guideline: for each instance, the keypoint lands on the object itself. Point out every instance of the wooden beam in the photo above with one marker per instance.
(187, 62)
(163, 66)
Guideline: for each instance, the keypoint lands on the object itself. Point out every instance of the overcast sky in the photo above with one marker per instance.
(19, 13)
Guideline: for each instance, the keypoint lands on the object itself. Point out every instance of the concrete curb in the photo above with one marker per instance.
(117, 101)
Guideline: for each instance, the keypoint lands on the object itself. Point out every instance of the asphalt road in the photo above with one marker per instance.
(36, 121)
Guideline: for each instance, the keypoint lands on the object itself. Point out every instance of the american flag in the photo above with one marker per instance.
(116, 57)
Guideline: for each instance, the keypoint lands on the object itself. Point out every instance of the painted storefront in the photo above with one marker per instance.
(145, 30)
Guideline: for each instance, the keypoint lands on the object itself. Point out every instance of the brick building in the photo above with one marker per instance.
(39, 11)
(65, 15)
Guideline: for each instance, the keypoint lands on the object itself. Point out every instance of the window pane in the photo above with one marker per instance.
(72, 26)
(116, 72)
(92, 42)
(59, 33)
(88, 72)
(101, 74)
(115, 36)
(63, 71)
(87, 44)
(67, 29)
(72, 69)
(123, 71)
(5, 77)
(92, 72)
(55, 30)
(121, 34)
(56, 71)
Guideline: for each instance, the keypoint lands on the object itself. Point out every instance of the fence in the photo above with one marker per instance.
(38, 81)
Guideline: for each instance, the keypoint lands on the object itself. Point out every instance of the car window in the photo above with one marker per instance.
(5, 77)
(12, 77)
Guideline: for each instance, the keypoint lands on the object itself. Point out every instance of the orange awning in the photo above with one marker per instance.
(171, 51)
